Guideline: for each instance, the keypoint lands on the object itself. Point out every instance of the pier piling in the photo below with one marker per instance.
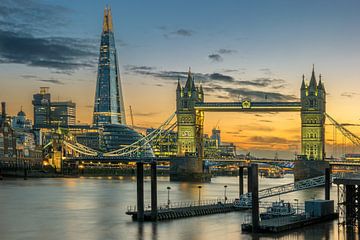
(327, 183)
(140, 190)
(154, 212)
(241, 180)
(255, 197)
(249, 179)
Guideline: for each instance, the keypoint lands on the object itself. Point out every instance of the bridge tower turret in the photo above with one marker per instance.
(313, 101)
(190, 122)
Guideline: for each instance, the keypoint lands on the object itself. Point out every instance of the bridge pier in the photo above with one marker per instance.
(140, 190)
(255, 197)
(304, 169)
(241, 180)
(188, 169)
(154, 212)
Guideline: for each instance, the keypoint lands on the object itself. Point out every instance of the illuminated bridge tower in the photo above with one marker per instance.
(109, 104)
(190, 124)
(313, 101)
(190, 121)
(313, 119)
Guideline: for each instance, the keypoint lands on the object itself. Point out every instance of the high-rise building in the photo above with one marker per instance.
(41, 102)
(49, 114)
(63, 113)
(109, 104)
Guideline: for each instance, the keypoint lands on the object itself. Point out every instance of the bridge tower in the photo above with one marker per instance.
(190, 122)
(313, 119)
(313, 101)
(188, 165)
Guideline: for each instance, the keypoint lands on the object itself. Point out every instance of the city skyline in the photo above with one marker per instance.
(231, 65)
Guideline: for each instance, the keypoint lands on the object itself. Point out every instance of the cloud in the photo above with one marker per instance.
(215, 57)
(245, 93)
(266, 71)
(53, 81)
(221, 77)
(31, 16)
(26, 76)
(266, 82)
(272, 140)
(61, 53)
(349, 94)
(233, 89)
(226, 51)
(146, 114)
(181, 32)
(27, 28)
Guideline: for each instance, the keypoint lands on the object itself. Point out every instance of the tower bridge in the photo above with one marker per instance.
(189, 121)
(190, 108)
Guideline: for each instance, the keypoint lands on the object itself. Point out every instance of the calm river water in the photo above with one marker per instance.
(94, 208)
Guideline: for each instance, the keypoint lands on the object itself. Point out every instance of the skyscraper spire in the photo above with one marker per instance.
(107, 24)
(109, 104)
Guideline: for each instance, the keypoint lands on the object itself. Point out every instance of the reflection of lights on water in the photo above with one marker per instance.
(121, 177)
(109, 177)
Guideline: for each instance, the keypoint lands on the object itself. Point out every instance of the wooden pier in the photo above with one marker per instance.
(187, 209)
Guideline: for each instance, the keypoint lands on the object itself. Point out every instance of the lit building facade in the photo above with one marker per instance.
(109, 104)
(49, 114)
(41, 102)
(63, 113)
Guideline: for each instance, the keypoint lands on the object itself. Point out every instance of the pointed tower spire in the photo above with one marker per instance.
(313, 84)
(190, 81)
(178, 88)
(107, 24)
(303, 82)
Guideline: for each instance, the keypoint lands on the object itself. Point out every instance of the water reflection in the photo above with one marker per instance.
(94, 209)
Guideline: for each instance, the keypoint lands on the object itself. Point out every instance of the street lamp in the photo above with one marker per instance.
(297, 205)
(225, 193)
(199, 187)
(168, 201)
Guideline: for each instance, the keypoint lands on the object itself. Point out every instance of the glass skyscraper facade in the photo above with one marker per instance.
(109, 104)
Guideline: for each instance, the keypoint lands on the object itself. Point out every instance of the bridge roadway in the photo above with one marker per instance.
(248, 106)
(124, 159)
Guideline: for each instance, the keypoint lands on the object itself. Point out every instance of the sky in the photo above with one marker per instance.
(237, 49)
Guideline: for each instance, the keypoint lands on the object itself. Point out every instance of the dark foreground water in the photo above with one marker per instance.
(94, 208)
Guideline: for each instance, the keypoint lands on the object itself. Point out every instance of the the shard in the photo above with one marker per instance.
(109, 103)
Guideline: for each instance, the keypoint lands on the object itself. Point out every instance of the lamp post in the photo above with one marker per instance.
(225, 193)
(168, 201)
(199, 187)
(297, 205)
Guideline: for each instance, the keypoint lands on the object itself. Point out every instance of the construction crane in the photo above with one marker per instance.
(132, 117)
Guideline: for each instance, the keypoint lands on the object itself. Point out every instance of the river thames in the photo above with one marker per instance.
(94, 208)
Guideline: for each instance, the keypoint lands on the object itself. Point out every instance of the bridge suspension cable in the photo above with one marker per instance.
(143, 142)
(349, 135)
